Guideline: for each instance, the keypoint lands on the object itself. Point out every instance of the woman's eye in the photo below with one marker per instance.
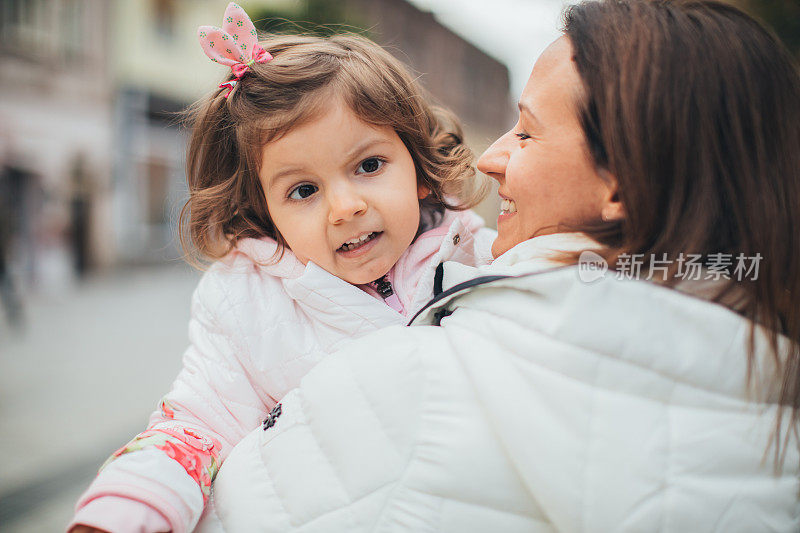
(522, 136)
(368, 166)
(303, 191)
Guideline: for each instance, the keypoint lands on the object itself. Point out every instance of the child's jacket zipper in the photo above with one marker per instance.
(384, 288)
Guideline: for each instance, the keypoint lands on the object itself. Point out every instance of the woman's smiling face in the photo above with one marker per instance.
(343, 194)
(548, 182)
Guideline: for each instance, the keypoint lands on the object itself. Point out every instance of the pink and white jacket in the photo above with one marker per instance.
(256, 329)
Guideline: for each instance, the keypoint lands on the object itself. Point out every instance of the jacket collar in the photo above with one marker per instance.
(265, 253)
(336, 303)
(543, 251)
(534, 255)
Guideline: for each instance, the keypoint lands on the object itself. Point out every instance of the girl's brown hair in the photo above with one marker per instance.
(694, 107)
(226, 201)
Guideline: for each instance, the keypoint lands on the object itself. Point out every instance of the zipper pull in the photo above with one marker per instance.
(383, 287)
(385, 290)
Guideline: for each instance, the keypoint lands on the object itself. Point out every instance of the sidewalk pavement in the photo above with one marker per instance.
(79, 380)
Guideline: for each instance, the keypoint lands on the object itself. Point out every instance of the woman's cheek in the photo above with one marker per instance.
(520, 181)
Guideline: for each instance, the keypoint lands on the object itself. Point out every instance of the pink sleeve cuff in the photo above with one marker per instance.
(120, 515)
(153, 479)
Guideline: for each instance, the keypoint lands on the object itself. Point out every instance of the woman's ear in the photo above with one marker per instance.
(423, 192)
(611, 209)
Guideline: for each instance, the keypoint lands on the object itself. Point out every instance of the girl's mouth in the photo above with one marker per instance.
(359, 242)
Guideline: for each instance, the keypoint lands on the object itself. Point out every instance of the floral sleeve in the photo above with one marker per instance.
(198, 454)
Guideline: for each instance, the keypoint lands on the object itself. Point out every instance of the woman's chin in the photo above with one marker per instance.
(500, 246)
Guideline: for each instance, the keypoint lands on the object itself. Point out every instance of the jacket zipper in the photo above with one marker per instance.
(384, 288)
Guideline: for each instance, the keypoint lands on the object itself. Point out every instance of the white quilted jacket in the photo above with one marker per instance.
(256, 330)
(541, 404)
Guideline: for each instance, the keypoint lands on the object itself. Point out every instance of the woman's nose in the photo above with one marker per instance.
(344, 204)
(494, 160)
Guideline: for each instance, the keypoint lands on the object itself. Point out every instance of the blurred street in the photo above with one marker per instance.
(79, 379)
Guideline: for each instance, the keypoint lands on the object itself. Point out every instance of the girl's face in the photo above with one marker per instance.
(343, 194)
(546, 175)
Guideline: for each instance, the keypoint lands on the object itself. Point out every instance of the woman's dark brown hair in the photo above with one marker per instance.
(307, 75)
(694, 107)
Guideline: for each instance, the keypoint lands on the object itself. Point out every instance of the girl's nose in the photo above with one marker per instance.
(344, 204)
(494, 160)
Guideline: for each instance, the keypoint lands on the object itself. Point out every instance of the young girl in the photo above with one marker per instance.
(328, 191)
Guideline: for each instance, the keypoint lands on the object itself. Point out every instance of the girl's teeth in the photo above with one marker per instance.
(508, 206)
(358, 241)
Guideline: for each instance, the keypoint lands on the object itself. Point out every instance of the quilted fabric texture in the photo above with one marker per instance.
(256, 330)
(541, 404)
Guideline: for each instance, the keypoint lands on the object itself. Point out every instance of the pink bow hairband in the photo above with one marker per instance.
(234, 45)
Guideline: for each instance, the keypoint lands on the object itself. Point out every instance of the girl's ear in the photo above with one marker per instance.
(423, 192)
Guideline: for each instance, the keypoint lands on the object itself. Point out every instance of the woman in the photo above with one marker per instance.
(642, 399)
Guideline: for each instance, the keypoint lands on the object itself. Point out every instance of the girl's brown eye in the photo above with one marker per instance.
(368, 166)
(303, 191)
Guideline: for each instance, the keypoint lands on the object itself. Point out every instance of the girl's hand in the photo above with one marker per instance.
(80, 528)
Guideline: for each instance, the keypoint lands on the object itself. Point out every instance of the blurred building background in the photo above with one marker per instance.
(94, 294)
(55, 135)
(91, 146)
(93, 291)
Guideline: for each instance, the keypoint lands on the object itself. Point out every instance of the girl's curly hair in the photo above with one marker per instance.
(226, 201)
